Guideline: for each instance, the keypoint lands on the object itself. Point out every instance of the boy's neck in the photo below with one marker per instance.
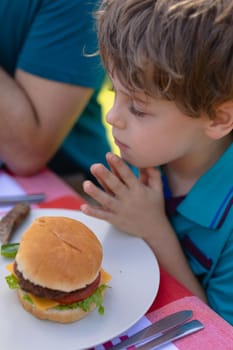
(184, 173)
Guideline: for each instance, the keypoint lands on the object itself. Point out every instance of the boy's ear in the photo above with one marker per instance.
(222, 124)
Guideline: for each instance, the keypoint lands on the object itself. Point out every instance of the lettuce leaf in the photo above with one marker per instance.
(9, 250)
(27, 298)
(12, 281)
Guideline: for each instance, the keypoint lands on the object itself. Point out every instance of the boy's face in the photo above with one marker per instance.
(153, 131)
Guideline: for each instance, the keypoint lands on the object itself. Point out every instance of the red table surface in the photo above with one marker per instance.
(169, 291)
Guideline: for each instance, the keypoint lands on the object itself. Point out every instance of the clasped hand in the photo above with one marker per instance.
(134, 205)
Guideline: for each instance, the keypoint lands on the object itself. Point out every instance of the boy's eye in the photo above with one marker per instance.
(135, 111)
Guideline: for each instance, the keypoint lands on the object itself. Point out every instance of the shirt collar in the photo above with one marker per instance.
(211, 197)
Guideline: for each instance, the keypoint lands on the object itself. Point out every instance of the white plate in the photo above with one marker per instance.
(135, 281)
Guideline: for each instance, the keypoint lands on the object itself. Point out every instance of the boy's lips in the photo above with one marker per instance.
(120, 144)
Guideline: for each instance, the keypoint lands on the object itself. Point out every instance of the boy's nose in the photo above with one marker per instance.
(115, 118)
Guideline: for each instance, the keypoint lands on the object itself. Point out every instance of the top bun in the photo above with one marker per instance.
(59, 253)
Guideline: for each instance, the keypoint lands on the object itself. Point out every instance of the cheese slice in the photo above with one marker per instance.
(43, 303)
(105, 277)
(10, 267)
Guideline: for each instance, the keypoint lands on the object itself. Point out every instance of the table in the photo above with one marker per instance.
(171, 297)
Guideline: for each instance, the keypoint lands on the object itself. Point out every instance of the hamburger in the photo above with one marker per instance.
(57, 270)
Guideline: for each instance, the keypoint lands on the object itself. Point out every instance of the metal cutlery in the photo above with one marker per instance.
(173, 334)
(156, 328)
(29, 198)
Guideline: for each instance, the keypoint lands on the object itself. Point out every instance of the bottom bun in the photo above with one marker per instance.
(61, 316)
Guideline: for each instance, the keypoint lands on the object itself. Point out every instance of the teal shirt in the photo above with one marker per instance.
(203, 221)
(50, 39)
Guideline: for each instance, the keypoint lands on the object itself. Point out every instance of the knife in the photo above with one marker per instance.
(150, 332)
(30, 198)
(173, 334)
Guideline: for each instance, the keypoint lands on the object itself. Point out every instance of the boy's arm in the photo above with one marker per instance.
(137, 207)
(171, 257)
(220, 284)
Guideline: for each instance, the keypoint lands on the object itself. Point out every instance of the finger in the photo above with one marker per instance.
(154, 178)
(113, 169)
(105, 199)
(96, 212)
(143, 176)
(95, 172)
(109, 180)
(121, 169)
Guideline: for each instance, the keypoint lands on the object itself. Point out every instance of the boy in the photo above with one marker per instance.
(171, 66)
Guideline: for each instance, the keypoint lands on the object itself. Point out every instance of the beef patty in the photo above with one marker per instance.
(53, 294)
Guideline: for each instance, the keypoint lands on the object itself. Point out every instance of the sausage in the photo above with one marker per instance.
(12, 220)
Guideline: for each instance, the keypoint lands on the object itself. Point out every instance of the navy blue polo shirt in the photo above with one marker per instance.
(203, 221)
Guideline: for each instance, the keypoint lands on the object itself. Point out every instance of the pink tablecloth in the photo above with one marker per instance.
(217, 335)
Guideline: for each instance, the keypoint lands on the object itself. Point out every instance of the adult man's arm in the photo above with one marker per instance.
(35, 116)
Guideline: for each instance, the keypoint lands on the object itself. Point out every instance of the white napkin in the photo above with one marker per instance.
(142, 323)
(8, 186)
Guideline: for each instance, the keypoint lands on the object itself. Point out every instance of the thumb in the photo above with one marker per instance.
(143, 177)
(154, 179)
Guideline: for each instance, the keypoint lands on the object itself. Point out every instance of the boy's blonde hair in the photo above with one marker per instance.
(180, 50)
